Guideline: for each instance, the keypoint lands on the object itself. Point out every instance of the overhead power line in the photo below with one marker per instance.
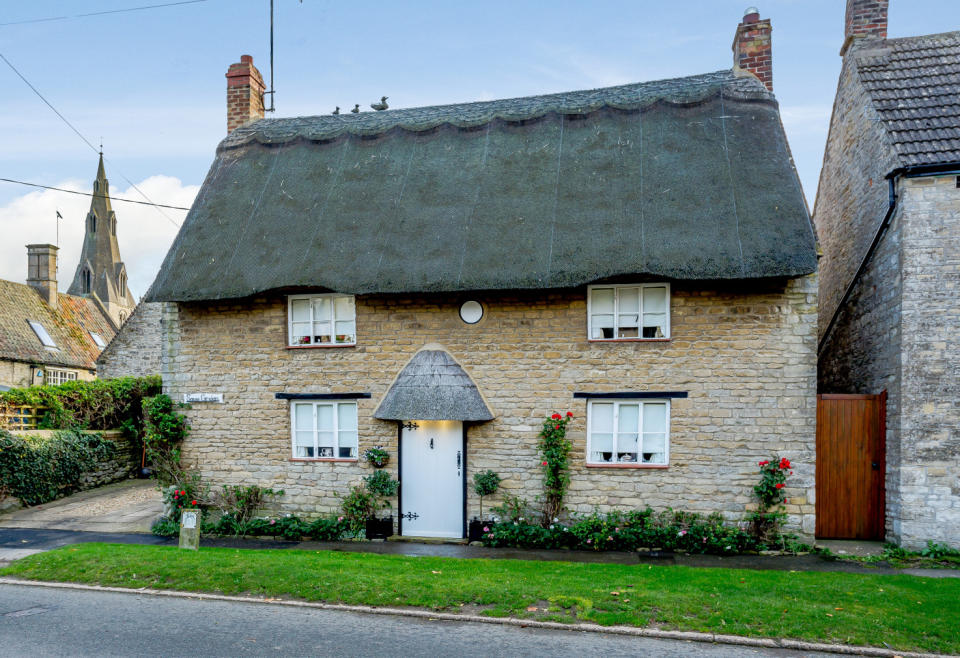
(113, 198)
(102, 13)
(87, 141)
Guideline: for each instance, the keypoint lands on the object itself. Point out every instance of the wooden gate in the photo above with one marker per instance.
(851, 463)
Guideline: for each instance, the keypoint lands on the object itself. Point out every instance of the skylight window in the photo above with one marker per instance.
(98, 339)
(42, 334)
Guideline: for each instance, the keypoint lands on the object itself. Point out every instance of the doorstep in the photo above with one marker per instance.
(429, 540)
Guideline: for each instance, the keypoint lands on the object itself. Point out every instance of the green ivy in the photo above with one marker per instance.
(101, 404)
(39, 469)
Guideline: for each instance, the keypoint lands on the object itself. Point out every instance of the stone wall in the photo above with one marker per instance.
(135, 350)
(124, 464)
(19, 374)
(852, 194)
(930, 426)
(745, 353)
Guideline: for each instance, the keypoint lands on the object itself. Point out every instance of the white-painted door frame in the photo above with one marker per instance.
(435, 487)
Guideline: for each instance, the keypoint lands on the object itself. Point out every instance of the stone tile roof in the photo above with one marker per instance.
(69, 326)
(433, 386)
(914, 83)
(688, 178)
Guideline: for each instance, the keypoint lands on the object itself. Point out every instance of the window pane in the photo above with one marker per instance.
(601, 447)
(346, 330)
(601, 300)
(654, 449)
(655, 300)
(321, 309)
(655, 417)
(301, 333)
(629, 418)
(325, 443)
(601, 326)
(303, 444)
(343, 308)
(601, 419)
(347, 416)
(325, 417)
(303, 417)
(300, 310)
(629, 299)
(627, 448)
(322, 333)
(348, 444)
(654, 325)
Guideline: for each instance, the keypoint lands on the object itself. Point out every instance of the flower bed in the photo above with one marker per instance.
(631, 531)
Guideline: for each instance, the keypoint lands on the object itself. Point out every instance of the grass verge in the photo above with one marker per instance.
(905, 612)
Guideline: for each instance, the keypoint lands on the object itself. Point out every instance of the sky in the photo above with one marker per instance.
(150, 84)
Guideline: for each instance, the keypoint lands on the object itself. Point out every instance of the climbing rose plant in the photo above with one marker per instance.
(773, 479)
(554, 450)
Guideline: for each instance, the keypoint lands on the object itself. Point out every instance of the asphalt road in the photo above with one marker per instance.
(40, 622)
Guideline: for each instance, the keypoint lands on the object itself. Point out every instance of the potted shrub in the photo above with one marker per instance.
(377, 456)
(485, 483)
(382, 487)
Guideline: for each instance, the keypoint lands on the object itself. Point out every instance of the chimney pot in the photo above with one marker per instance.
(246, 59)
(42, 271)
(752, 47)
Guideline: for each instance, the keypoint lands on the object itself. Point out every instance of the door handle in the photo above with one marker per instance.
(458, 462)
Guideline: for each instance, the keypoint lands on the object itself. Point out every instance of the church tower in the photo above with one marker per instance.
(101, 275)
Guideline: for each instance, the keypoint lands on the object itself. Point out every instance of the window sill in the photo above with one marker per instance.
(658, 466)
(323, 459)
(314, 347)
(628, 340)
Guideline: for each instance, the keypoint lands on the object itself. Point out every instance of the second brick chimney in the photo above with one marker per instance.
(752, 47)
(244, 93)
(42, 271)
(866, 19)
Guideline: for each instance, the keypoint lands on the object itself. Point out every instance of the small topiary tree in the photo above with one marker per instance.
(485, 483)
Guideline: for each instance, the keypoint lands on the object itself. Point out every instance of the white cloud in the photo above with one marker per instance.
(143, 233)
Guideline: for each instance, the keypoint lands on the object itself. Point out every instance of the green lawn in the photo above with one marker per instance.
(905, 612)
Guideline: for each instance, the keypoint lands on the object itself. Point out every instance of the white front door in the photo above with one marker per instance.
(431, 478)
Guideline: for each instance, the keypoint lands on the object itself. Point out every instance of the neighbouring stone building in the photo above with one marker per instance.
(135, 350)
(48, 337)
(439, 280)
(888, 219)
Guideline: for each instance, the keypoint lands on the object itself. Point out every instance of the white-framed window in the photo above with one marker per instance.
(321, 320)
(324, 429)
(42, 334)
(628, 432)
(628, 312)
(53, 377)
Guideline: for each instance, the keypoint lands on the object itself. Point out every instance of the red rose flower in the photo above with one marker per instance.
(557, 427)
(543, 464)
(763, 463)
(784, 463)
(779, 485)
(555, 416)
(193, 502)
(569, 414)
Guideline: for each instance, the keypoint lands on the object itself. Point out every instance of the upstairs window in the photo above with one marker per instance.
(629, 312)
(628, 432)
(42, 334)
(321, 320)
(55, 377)
(324, 430)
(98, 339)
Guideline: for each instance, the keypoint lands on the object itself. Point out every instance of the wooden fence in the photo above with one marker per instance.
(15, 418)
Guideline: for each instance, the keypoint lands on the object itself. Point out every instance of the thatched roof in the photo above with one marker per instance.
(688, 178)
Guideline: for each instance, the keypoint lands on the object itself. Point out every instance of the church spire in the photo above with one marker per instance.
(101, 274)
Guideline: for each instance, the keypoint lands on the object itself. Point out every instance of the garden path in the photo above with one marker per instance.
(127, 506)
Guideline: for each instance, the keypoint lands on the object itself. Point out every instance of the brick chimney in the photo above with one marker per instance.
(42, 271)
(866, 19)
(244, 93)
(752, 48)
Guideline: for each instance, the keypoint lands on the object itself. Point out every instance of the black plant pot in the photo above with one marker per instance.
(475, 529)
(379, 528)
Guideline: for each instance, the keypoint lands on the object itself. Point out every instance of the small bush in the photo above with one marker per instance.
(37, 470)
(358, 506)
(242, 503)
(164, 430)
(164, 527)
